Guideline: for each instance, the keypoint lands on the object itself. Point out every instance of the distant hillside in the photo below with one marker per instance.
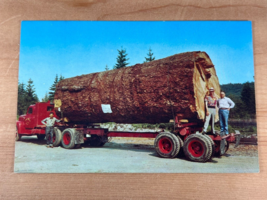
(234, 88)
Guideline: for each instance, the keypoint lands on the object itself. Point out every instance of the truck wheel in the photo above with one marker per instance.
(40, 137)
(167, 145)
(18, 136)
(57, 136)
(197, 148)
(68, 138)
(212, 145)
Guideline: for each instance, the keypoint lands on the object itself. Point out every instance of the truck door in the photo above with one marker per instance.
(30, 118)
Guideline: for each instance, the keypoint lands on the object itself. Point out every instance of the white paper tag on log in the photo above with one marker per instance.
(106, 108)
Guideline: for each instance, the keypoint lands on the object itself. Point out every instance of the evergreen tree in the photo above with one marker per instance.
(46, 98)
(21, 99)
(150, 56)
(30, 95)
(121, 59)
(106, 68)
(243, 94)
(253, 102)
(248, 98)
(239, 111)
(53, 88)
(60, 78)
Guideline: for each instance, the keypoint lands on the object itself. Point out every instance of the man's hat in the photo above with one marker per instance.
(211, 89)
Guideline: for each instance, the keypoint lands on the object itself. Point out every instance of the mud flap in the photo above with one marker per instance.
(79, 137)
(222, 145)
(237, 138)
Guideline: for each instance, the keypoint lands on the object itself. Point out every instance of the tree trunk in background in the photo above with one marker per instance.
(152, 92)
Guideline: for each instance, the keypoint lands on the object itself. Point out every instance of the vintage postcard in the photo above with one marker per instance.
(136, 97)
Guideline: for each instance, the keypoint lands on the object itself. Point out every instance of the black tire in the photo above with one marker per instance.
(41, 137)
(212, 144)
(57, 137)
(77, 146)
(180, 141)
(181, 152)
(68, 138)
(167, 145)
(197, 148)
(18, 136)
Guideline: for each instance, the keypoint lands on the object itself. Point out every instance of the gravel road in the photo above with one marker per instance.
(124, 155)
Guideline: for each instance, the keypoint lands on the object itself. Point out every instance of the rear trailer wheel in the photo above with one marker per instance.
(40, 137)
(212, 145)
(167, 145)
(18, 136)
(68, 138)
(197, 148)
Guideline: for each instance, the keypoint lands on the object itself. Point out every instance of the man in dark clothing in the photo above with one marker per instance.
(49, 122)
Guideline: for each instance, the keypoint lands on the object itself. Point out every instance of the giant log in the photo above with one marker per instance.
(152, 92)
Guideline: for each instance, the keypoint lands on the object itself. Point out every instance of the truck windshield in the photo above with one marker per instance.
(49, 108)
(30, 111)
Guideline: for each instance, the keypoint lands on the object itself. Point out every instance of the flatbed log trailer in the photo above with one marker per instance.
(196, 147)
(143, 93)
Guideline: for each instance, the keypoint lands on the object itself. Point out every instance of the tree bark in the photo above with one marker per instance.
(152, 92)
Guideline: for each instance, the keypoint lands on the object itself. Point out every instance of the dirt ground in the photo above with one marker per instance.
(125, 155)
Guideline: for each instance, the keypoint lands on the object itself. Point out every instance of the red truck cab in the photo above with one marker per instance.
(30, 123)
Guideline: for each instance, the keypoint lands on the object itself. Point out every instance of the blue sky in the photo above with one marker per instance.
(72, 48)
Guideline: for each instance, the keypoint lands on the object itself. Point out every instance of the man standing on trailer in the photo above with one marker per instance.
(49, 123)
(211, 110)
(224, 104)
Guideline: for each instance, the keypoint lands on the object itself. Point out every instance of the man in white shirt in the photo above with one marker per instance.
(224, 104)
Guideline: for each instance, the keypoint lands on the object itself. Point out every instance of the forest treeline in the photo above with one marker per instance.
(27, 94)
(244, 97)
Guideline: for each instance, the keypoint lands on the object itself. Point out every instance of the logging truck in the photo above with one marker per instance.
(165, 90)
